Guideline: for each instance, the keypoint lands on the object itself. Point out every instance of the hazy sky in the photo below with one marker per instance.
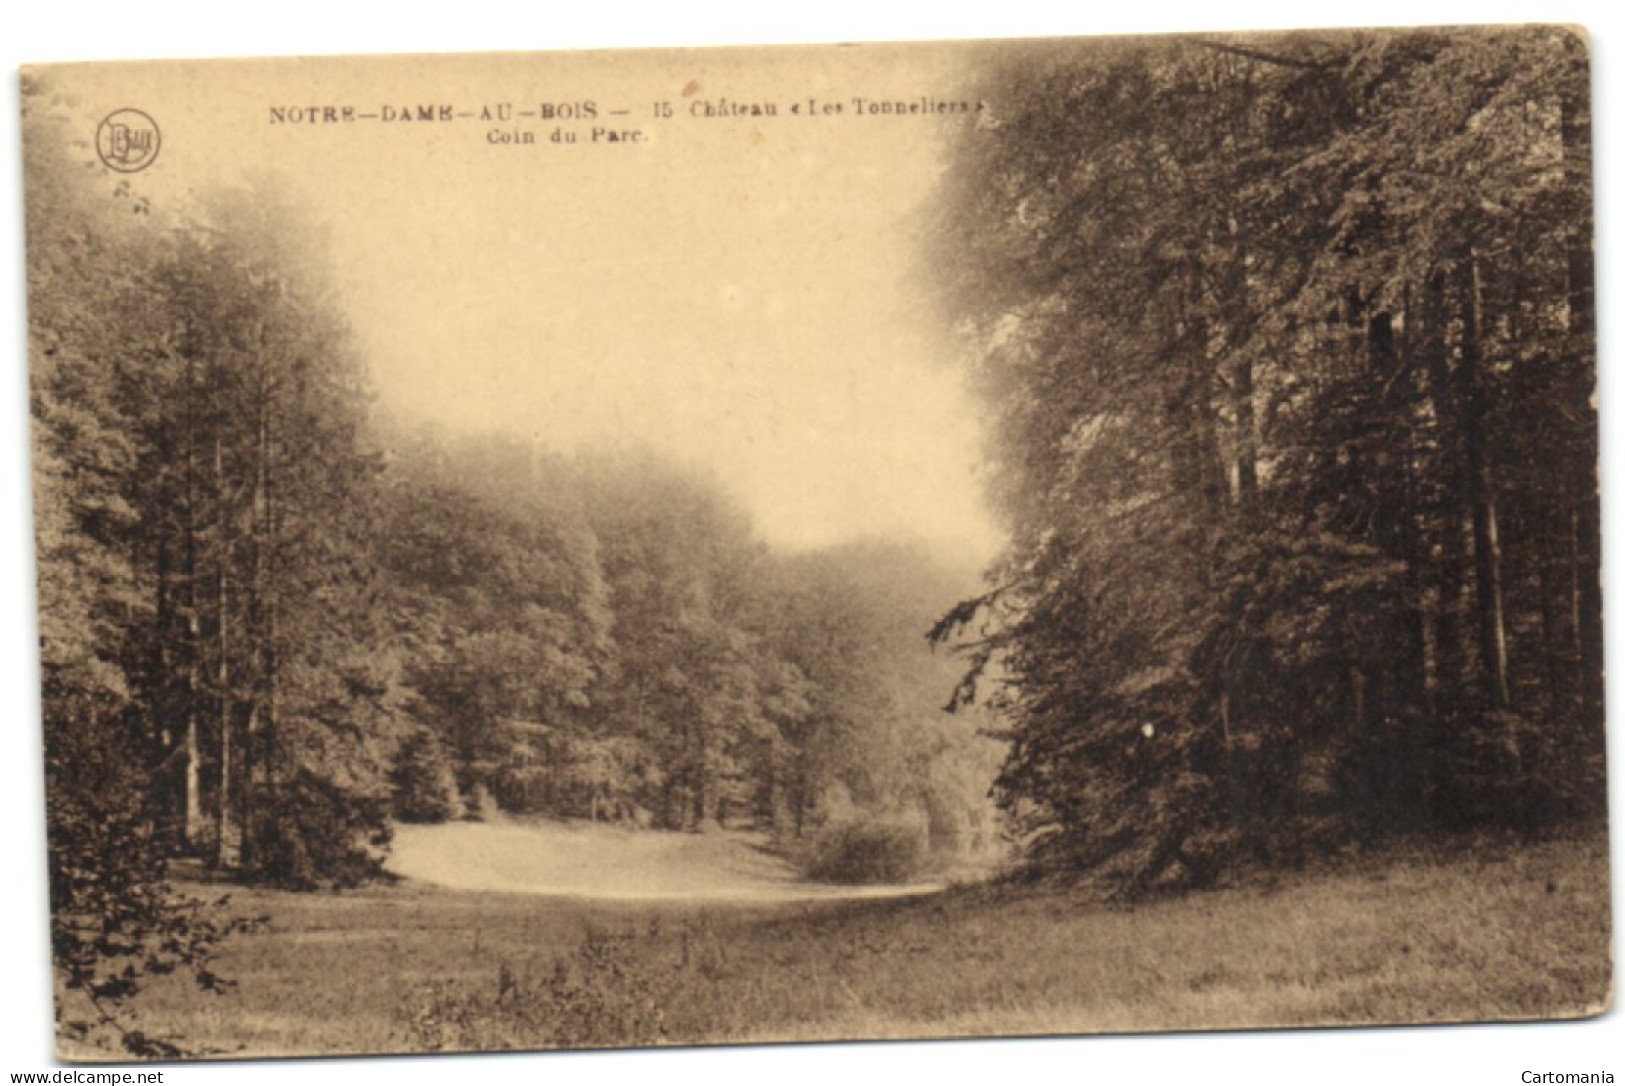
(741, 292)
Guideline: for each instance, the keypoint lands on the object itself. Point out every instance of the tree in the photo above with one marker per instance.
(849, 619)
(206, 496)
(502, 608)
(1263, 325)
(116, 920)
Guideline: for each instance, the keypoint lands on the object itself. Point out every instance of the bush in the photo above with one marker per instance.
(116, 920)
(316, 835)
(605, 995)
(866, 849)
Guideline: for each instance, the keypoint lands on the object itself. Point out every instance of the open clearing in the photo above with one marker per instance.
(1497, 932)
(608, 863)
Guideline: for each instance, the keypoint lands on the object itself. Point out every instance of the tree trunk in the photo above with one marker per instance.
(1550, 557)
(267, 758)
(1197, 464)
(259, 541)
(1587, 547)
(229, 840)
(162, 703)
(194, 823)
(1397, 492)
(194, 784)
(1492, 644)
(1246, 437)
(1449, 574)
(1586, 543)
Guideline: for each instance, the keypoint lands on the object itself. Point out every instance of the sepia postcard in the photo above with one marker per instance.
(719, 546)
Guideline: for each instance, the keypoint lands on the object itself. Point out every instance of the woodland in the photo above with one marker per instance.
(275, 621)
(1286, 349)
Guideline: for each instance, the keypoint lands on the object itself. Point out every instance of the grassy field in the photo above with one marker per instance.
(608, 863)
(1498, 932)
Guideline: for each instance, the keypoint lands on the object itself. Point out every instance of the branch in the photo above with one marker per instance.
(134, 1041)
(962, 614)
(1270, 58)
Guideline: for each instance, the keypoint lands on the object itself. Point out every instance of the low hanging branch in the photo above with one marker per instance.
(1271, 58)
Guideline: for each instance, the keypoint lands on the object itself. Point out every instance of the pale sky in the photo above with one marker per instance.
(743, 293)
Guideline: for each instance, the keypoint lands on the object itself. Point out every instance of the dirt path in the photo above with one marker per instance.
(604, 862)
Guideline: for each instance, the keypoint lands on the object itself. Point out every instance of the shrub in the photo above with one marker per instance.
(604, 995)
(866, 849)
(317, 835)
(116, 920)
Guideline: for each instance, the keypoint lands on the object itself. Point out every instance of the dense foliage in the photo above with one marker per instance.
(202, 494)
(274, 621)
(602, 637)
(1288, 346)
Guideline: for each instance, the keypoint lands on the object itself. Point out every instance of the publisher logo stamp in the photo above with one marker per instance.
(127, 140)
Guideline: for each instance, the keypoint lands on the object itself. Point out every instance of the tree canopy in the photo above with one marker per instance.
(1288, 348)
(275, 620)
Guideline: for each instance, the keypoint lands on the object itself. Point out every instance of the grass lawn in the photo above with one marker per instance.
(608, 863)
(1502, 932)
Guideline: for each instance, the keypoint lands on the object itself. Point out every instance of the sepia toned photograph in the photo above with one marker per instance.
(597, 550)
